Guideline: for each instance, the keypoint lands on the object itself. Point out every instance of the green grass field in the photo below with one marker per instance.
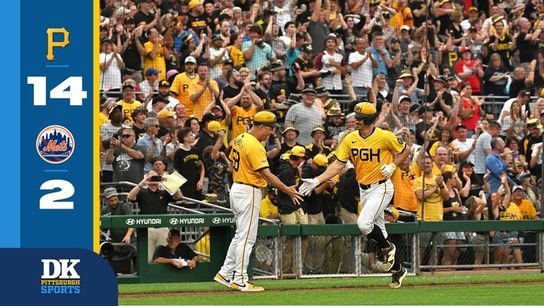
(487, 289)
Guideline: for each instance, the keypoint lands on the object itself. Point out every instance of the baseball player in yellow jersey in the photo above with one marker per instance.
(375, 154)
(250, 175)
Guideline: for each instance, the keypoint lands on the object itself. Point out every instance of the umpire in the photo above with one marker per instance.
(375, 154)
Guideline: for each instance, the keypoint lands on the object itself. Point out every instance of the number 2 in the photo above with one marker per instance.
(52, 200)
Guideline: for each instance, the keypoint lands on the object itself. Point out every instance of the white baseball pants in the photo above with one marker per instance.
(374, 201)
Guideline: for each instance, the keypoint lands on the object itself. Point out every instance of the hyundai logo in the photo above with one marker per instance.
(130, 221)
(216, 220)
(174, 221)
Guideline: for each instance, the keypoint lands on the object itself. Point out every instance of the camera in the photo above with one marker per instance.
(156, 178)
(106, 249)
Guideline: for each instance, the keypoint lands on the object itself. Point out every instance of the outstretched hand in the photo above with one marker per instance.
(294, 195)
(308, 185)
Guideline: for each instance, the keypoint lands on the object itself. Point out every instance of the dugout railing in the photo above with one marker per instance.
(273, 238)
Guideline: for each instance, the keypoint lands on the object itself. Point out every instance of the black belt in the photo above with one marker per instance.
(364, 187)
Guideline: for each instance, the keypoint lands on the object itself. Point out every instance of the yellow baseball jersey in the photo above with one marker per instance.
(511, 213)
(205, 99)
(158, 62)
(268, 210)
(248, 156)
(526, 209)
(370, 153)
(433, 210)
(129, 107)
(240, 119)
(404, 197)
(103, 119)
(181, 84)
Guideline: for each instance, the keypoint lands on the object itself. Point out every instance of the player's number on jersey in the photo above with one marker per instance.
(71, 89)
(235, 156)
(54, 200)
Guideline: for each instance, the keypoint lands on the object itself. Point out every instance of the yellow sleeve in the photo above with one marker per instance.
(175, 86)
(148, 47)
(215, 86)
(394, 143)
(432, 150)
(418, 183)
(344, 150)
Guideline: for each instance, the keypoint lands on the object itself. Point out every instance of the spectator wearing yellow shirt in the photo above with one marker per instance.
(235, 50)
(182, 82)
(203, 92)
(526, 207)
(105, 110)
(430, 198)
(269, 208)
(242, 116)
(128, 102)
(155, 53)
(404, 198)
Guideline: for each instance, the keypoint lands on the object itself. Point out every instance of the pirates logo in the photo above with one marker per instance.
(55, 144)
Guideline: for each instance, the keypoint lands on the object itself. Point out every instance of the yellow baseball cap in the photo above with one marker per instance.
(298, 151)
(214, 126)
(534, 122)
(265, 118)
(193, 4)
(165, 113)
(393, 211)
(364, 109)
(321, 160)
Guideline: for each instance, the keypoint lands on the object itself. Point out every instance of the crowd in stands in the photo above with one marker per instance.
(181, 79)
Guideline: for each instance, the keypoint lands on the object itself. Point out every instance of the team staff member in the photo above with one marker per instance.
(371, 150)
(250, 175)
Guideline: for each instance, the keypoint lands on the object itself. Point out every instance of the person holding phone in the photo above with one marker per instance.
(153, 200)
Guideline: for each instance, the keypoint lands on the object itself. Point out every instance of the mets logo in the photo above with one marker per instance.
(55, 144)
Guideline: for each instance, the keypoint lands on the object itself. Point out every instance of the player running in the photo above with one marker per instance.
(250, 174)
(372, 152)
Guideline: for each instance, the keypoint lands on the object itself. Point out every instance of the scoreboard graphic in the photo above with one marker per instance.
(50, 226)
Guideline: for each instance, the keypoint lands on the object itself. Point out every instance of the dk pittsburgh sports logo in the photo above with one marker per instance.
(55, 144)
(59, 276)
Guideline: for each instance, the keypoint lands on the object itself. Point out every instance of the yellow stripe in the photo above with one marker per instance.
(96, 136)
(247, 236)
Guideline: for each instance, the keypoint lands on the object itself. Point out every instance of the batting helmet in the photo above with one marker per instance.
(367, 112)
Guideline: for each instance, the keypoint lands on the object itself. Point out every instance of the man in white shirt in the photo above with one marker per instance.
(361, 63)
(332, 63)
(464, 147)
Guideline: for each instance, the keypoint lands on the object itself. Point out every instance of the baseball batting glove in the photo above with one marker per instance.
(308, 185)
(388, 170)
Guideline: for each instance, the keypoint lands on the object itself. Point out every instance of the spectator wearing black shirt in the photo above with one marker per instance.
(197, 20)
(153, 200)
(187, 162)
(305, 64)
(133, 49)
(175, 252)
(206, 137)
(144, 15)
(525, 41)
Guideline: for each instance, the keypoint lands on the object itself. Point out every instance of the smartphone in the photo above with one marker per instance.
(156, 178)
